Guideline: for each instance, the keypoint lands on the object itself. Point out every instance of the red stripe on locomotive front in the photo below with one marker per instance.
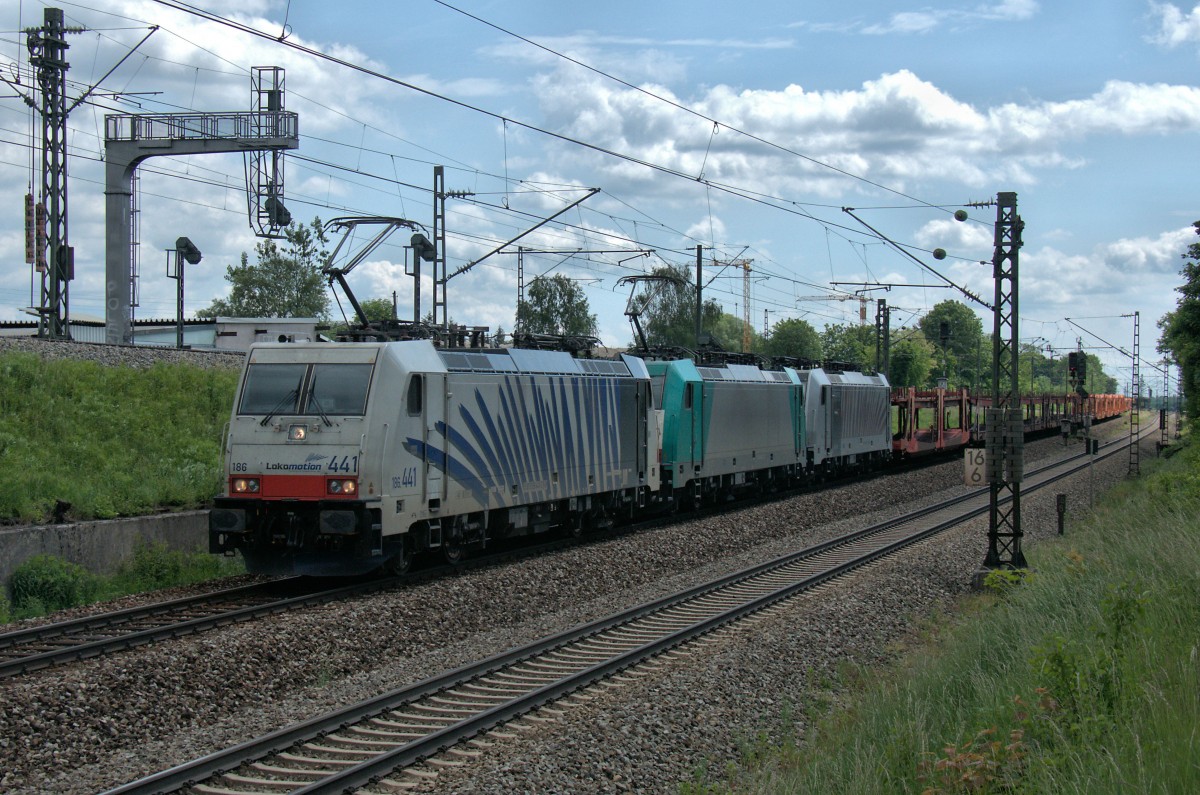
(292, 487)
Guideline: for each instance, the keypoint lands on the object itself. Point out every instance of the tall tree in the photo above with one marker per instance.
(964, 354)
(852, 344)
(1181, 331)
(911, 361)
(669, 310)
(794, 337)
(377, 308)
(556, 305)
(285, 281)
(730, 332)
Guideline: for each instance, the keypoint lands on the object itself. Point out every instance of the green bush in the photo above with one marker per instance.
(45, 583)
(154, 566)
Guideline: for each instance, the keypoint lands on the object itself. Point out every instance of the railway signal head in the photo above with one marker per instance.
(1077, 365)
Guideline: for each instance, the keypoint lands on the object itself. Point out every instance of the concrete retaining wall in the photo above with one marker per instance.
(101, 546)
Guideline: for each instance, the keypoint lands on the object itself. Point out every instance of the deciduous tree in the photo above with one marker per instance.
(1181, 330)
(964, 355)
(853, 345)
(285, 281)
(911, 359)
(794, 337)
(669, 310)
(556, 305)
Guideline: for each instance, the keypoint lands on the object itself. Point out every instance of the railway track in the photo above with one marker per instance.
(395, 740)
(37, 648)
(78, 639)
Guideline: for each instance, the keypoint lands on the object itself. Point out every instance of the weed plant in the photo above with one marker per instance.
(1081, 678)
(80, 440)
(45, 583)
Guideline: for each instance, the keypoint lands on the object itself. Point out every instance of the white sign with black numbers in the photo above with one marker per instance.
(975, 473)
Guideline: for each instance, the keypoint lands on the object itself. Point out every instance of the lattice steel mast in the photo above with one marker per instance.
(1135, 419)
(1005, 426)
(47, 54)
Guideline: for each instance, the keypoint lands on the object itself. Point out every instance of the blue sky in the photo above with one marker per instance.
(741, 127)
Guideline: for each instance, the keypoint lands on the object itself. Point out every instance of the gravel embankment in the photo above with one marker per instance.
(103, 722)
(140, 357)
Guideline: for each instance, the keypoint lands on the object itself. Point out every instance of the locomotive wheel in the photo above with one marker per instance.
(401, 562)
(452, 551)
(452, 545)
(574, 527)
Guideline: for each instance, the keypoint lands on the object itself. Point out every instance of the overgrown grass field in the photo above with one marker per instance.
(1082, 678)
(80, 440)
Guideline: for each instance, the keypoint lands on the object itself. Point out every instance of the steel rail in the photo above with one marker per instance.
(95, 647)
(128, 615)
(441, 739)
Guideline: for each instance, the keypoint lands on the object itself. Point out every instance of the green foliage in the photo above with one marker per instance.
(1085, 685)
(47, 583)
(1181, 330)
(730, 333)
(556, 305)
(79, 440)
(284, 282)
(1001, 581)
(982, 764)
(967, 353)
(377, 308)
(794, 337)
(852, 344)
(1101, 645)
(154, 566)
(911, 361)
(668, 309)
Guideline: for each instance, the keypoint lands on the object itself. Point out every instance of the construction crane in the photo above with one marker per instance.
(744, 264)
(862, 303)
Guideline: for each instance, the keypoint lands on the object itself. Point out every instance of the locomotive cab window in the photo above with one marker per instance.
(657, 384)
(339, 389)
(320, 389)
(415, 391)
(272, 388)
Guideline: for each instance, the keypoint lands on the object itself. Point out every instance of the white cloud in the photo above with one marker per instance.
(898, 129)
(926, 20)
(1104, 275)
(1175, 26)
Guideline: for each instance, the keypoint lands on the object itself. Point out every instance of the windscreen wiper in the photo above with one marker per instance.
(278, 406)
(316, 402)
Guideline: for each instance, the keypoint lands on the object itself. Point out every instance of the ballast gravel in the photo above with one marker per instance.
(100, 723)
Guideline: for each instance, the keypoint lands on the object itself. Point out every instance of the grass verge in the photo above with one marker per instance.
(45, 583)
(80, 440)
(1082, 678)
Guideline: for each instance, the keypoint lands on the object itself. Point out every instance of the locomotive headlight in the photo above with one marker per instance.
(297, 433)
(342, 487)
(245, 486)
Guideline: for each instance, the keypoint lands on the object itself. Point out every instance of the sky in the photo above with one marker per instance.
(742, 128)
